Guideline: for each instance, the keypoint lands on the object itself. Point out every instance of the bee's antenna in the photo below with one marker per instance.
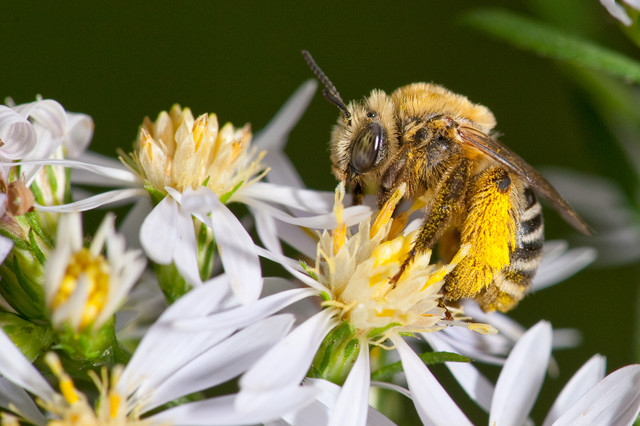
(330, 92)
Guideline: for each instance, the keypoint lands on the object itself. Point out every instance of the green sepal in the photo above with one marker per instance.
(337, 354)
(156, 194)
(23, 291)
(379, 331)
(99, 347)
(309, 270)
(429, 358)
(207, 249)
(32, 339)
(546, 40)
(173, 285)
(225, 197)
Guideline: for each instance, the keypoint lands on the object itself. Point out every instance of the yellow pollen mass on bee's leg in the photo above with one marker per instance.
(489, 231)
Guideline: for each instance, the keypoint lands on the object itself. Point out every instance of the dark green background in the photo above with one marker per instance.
(120, 62)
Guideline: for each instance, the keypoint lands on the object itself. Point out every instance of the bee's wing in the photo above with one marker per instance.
(497, 151)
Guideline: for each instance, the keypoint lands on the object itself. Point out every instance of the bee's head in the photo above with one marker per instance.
(361, 141)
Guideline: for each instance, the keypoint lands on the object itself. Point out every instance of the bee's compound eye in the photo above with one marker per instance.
(365, 149)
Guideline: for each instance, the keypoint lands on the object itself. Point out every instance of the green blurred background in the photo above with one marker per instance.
(121, 61)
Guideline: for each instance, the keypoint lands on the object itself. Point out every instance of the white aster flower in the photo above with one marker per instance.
(167, 365)
(83, 287)
(35, 130)
(352, 276)
(202, 169)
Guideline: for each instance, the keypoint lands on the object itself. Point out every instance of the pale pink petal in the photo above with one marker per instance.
(521, 377)
(434, 405)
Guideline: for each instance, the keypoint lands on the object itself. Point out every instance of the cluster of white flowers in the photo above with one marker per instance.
(232, 346)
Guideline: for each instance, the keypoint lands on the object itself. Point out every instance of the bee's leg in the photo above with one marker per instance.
(489, 230)
(357, 192)
(511, 284)
(446, 201)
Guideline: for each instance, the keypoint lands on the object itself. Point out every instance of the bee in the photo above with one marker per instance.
(480, 194)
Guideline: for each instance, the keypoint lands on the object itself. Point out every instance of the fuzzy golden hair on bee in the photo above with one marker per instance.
(424, 99)
(377, 109)
(479, 194)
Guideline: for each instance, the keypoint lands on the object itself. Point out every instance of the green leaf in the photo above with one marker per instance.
(545, 40)
(429, 358)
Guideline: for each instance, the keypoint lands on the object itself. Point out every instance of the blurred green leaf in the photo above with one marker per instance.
(545, 40)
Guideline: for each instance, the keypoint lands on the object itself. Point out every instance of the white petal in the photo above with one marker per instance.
(273, 137)
(114, 175)
(16, 368)
(613, 401)
(222, 410)
(317, 413)
(558, 268)
(106, 198)
(617, 11)
(79, 134)
(353, 402)
(224, 361)
(185, 248)
(477, 386)
(521, 377)
(164, 349)
(13, 397)
(302, 199)
(16, 133)
(235, 246)
(5, 248)
(287, 363)
(80, 175)
(106, 228)
(130, 226)
(159, 231)
(245, 314)
(585, 378)
(352, 215)
(434, 405)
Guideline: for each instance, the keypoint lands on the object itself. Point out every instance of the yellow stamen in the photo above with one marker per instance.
(95, 271)
(387, 210)
(199, 128)
(67, 388)
(340, 233)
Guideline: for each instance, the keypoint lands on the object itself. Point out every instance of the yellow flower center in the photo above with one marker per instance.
(72, 407)
(95, 271)
(358, 269)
